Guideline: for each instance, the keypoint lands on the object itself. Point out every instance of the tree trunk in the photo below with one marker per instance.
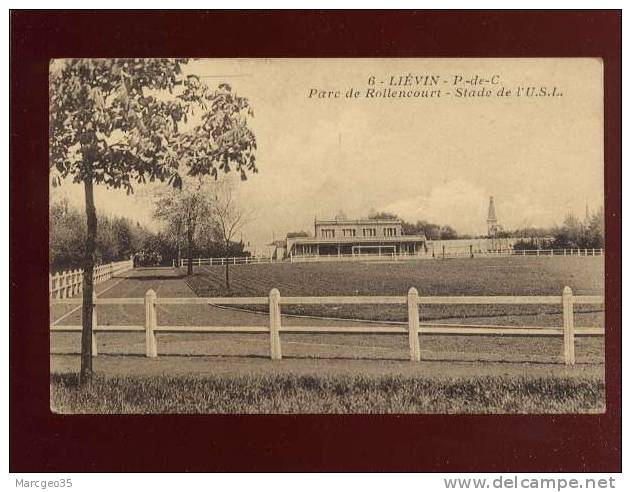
(179, 253)
(88, 284)
(189, 236)
(227, 267)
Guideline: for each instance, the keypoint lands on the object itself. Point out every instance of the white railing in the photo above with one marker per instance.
(247, 260)
(446, 254)
(414, 304)
(67, 284)
(526, 252)
(357, 257)
(233, 260)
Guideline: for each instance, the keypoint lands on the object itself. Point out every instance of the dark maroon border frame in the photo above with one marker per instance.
(41, 441)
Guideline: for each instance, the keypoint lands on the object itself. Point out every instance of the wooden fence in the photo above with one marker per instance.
(67, 284)
(413, 329)
(528, 252)
(233, 260)
(249, 260)
(447, 254)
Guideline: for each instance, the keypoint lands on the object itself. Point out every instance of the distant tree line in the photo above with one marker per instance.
(118, 238)
(572, 234)
(430, 230)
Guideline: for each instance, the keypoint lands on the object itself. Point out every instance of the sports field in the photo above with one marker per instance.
(528, 276)
(452, 277)
(509, 363)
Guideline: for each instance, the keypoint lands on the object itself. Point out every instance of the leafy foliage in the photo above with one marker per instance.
(572, 234)
(120, 121)
(118, 238)
(575, 233)
(429, 230)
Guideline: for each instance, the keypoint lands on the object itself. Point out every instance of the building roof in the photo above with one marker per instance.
(354, 240)
(359, 222)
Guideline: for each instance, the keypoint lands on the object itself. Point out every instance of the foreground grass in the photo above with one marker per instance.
(288, 393)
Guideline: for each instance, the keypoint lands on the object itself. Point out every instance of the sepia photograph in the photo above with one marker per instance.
(326, 236)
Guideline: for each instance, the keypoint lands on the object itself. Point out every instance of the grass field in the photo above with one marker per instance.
(288, 393)
(480, 276)
(340, 373)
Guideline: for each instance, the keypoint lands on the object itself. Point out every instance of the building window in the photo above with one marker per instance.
(348, 232)
(389, 231)
(370, 232)
(328, 232)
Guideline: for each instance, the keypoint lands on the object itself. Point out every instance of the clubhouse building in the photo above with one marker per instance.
(350, 238)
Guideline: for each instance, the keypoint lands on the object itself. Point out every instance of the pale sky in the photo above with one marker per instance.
(436, 159)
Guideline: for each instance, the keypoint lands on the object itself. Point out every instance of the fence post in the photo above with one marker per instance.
(150, 324)
(568, 326)
(68, 284)
(274, 324)
(95, 351)
(61, 285)
(413, 322)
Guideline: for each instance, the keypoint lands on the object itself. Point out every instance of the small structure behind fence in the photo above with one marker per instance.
(414, 306)
(68, 284)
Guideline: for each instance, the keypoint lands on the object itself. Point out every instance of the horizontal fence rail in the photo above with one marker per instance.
(233, 260)
(64, 284)
(413, 301)
(460, 253)
(525, 252)
(252, 260)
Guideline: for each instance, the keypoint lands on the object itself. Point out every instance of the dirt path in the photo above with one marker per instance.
(166, 282)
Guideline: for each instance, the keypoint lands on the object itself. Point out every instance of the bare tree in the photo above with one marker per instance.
(228, 218)
(184, 211)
